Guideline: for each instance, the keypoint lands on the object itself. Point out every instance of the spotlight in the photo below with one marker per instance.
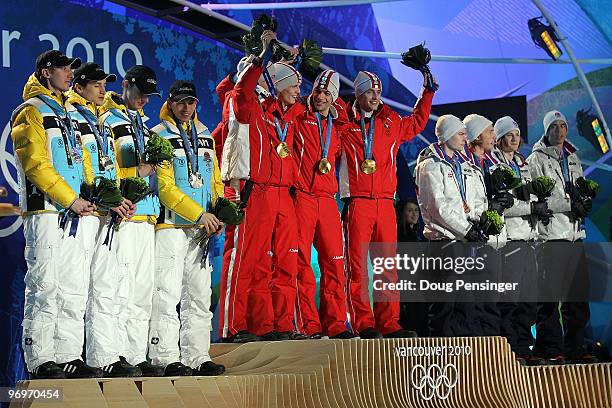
(590, 128)
(544, 37)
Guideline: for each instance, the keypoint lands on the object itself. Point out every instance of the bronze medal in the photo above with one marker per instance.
(368, 166)
(324, 166)
(466, 208)
(283, 150)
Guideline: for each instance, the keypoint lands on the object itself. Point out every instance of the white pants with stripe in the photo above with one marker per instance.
(135, 254)
(181, 277)
(56, 285)
(102, 314)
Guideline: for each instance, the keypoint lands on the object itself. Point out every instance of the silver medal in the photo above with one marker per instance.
(195, 180)
(107, 163)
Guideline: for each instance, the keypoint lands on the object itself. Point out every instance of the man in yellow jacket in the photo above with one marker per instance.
(50, 160)
(123, 117)
(102, 349)
(188, 188)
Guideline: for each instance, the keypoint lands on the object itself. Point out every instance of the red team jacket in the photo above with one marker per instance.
(391, 130)
(266, 166)
(308, 151)
(220, 133)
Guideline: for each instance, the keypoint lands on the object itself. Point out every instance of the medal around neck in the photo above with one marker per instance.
(107, 163)
(195, 180)
(324, 166)
(368, 166)
(283, 150)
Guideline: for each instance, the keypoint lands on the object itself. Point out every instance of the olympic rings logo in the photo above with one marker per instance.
(434, 381)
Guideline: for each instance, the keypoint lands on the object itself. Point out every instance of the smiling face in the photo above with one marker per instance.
(184, 109)
(289, 96)
(487, 139)
(322, 100)
(411, 213)
(369, 101)
(557, 133)
(94, 91)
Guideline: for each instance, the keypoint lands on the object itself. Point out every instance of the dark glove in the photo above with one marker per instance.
(579, 206)
(417, 58)
(522, 193)
(501, 202)
(475, 234)
(541, 211)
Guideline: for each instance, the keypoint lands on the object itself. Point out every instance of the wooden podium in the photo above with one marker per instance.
(390, 373)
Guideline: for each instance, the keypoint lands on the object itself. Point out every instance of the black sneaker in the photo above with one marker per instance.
(521, 360)
(583, 359)
(370, 333)
(401, 334)
(243, 336)
(298, 336)
(177, 369)
(47, 370)
(209, 368)
(150, 370)
(121, 369)
(78, 369)
(276, 336)
(316, 336)
(345, 335)
(535, 361)
(555, 360)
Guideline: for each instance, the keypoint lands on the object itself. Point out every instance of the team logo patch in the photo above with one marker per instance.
(28, 341)
(154, 340)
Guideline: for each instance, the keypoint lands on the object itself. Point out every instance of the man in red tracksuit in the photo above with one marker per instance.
(317, 146)
(368, 183)
(258, 302)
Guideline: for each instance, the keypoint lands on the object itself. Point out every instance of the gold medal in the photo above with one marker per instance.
(466, 208)
(368, 166)
(324, 166)
(283, 150)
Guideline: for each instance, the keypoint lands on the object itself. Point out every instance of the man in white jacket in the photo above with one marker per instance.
(441, 193)
(554, 156)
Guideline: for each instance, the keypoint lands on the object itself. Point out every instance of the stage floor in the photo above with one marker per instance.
(431, 372)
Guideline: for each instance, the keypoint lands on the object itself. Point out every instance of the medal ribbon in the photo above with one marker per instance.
(190, 146)
(139, 133)
(282, 133)
(325, 145)
(368, 138)
(65, 125)
(457, 172)
(91, 119)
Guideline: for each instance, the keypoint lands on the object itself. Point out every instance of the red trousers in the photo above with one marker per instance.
(254, 295)
(318, 222)
(370, 220)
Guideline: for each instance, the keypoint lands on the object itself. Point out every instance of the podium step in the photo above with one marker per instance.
(389, 373)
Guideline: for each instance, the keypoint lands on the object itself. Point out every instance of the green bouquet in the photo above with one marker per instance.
(309, 57)
(542, 187)
(252, 41)
(104, 193)
(135, 189)
(491, 222)
(226, 212)
(504, 179)
(158, 150)
(587, 188)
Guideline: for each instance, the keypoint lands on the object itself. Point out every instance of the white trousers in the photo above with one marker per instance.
(56, 285)
(135, 253)
(181, 276)
(102, 314)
